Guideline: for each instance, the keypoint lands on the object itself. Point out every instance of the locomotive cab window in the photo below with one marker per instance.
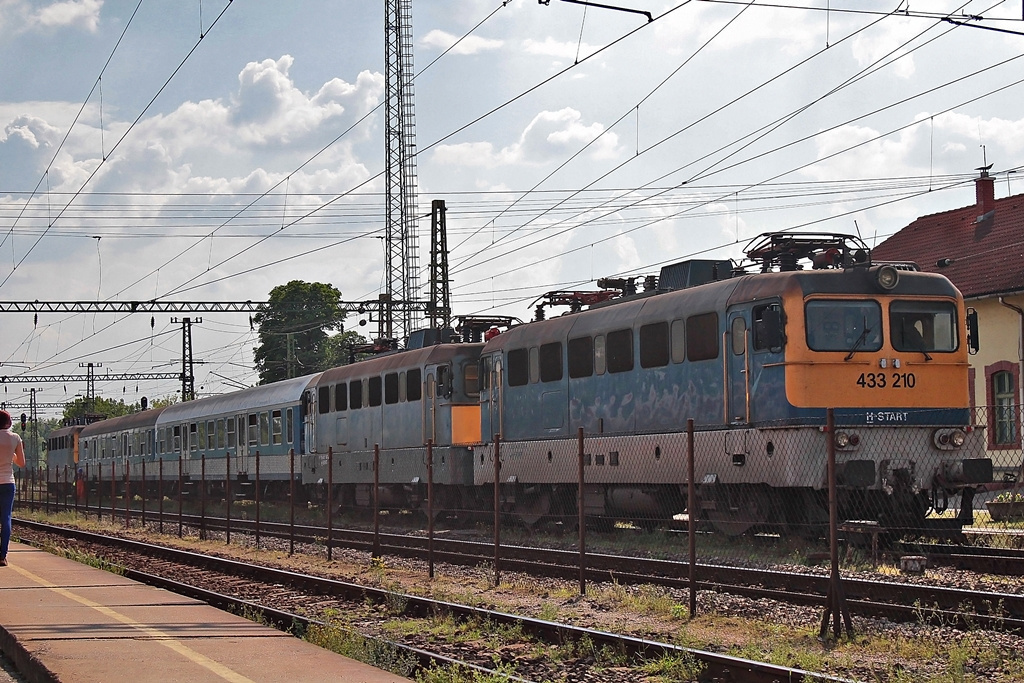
(768, 328)
(340, 397)
(581, 357)
(323, 400)
(925, 326)
(738, 333)
(414, 384)
(702, 337)
(471, 378)
(551, 362)
(391, 388)
(518, 367)
(375, 391)
(843, 325)
(620, 350)
(355, 395)
(654, 345)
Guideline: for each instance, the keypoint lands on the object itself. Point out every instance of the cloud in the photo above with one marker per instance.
(885, 38)
(471, 45)
(551, 135)
(553, 48)
(83, 14)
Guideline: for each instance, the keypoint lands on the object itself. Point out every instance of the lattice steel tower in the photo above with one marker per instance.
(400, 261)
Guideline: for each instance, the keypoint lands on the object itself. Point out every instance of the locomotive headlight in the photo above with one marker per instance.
(948, 439)
(887, 277)
(842, 439)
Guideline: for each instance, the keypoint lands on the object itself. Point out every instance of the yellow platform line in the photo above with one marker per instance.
(156, 634)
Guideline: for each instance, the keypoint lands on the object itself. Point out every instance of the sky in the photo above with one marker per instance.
(211, 151)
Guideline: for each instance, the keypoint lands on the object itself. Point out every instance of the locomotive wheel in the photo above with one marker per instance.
(738, 510)
(534, 508)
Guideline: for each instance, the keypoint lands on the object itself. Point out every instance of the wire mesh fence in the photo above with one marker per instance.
(746, 495)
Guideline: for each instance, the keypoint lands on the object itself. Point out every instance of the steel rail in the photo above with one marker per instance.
(725, 667)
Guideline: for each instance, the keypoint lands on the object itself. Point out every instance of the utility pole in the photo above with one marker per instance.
(188, 378)
(439, 308)
(400, 240)
(90, 385)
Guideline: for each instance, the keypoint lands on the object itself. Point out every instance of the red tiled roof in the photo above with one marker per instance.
(986, 248)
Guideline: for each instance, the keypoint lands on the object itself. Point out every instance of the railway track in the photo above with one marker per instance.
(284, 598)
(897, 601)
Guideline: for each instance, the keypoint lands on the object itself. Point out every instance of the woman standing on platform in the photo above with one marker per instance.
(12, 452)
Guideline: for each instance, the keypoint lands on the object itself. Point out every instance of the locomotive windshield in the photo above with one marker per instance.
(843, 325)
(925, 326)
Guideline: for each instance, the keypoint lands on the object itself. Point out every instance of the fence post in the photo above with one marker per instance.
(691, 517)
(143, 492)
(127, 493)
(376, 501)
(202, 497)
(181, 485)
(257, 500)
(835, 605)
(160, 494)
(47, 506)
(581, 511)
(330, 503)
(291, 501)
(497, 510)
(227, 496)
(85, 488)
(430, 508)
(113, 492)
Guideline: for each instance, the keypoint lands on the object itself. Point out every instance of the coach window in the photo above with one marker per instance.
(518, 367)
(288, 426)
(275, 427)
(323, 400)
(738, 333)
(375, 390)
(162, 436)
(193, 439)
(551, 362)
(678, 341)
(471, 378)
(340, 397)
(391, 388)
(254, 430)
(654, 346)
(702, 337)
(620, 350)
(177, 439)
(264, 429)
(355, 395)
(581, 357)
(600, 354)
(414, 384)
(220, 435)
(229, 427)
(211, 435)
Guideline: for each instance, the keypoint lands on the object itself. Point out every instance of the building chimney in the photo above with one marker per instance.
(985, 192)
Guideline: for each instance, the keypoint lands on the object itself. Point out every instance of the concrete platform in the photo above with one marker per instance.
(63, 621)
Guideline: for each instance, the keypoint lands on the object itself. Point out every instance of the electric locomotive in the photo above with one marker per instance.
(755, 359)
(398, 401)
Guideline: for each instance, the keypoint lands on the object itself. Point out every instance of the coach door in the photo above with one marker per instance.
(737, 366)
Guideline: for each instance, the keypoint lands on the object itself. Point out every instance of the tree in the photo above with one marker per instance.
(338, 348)
(81, 408)
(298, 317)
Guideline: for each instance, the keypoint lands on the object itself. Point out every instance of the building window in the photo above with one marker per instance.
(1003, 422)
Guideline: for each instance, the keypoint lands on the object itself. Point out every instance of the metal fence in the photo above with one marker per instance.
(839, 494)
